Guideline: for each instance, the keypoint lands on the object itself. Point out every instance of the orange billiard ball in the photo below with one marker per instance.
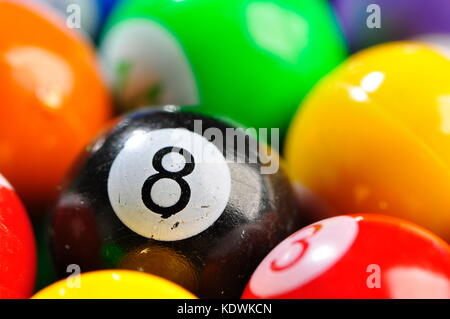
(52, 99)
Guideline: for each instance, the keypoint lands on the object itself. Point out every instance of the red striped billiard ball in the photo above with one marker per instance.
(355, 256)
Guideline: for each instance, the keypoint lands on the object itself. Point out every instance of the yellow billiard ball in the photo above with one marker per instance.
(114, 284)
(374, 135)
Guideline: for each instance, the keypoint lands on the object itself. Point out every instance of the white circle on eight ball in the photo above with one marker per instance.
(169, 184)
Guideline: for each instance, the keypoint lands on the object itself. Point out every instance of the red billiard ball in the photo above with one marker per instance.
(17, 247)
(355, 256)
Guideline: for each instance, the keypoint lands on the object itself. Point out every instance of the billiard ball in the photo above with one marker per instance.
(355, 256)
(373, 136)
(17, 247)
(248, 61)
(175, 194)
(113, 284)
(52, 99)
(92, 13)
(399, 19)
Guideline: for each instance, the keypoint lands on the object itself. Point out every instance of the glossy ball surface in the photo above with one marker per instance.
(355, 256)
(17, 246)
(53, 100)
(114, 284)
(373, 136)
(159, 193)
(248, 61)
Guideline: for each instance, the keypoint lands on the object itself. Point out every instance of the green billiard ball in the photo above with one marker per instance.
(251, 61)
